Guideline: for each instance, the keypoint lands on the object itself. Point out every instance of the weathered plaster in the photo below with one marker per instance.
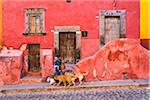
(119, 59)
(11, 66)
(46, 62)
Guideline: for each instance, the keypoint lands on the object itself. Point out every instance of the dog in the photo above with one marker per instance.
(80, 76)
(66, 78)
(76, 75)
(50, 80)
(70, 77)
(61, 79)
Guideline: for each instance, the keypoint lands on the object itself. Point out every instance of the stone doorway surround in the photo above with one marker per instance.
(118, 13)
(58, 29)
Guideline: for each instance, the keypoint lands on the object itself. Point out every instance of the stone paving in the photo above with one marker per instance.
(108, 94)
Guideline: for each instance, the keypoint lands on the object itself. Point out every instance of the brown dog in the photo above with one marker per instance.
(76, 75)
(79, 76)
(61, 79)
(66, 78)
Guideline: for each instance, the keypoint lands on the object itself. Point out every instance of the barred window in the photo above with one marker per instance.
(34, 18)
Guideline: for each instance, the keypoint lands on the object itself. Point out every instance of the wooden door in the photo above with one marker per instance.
(34, 57)
(112, 28)
(67, 46)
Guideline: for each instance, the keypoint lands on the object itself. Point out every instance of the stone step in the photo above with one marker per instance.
(29, 79)
(33, 74)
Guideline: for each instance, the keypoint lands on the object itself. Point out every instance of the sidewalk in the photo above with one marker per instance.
(45, 87)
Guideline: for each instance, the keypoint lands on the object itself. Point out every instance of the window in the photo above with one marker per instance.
(84, 33)
(34, 18)
(68, 1)
(112, 25)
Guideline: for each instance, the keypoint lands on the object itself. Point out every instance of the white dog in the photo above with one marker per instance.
(50, 80)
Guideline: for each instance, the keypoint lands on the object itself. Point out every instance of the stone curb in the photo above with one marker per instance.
(60, 89)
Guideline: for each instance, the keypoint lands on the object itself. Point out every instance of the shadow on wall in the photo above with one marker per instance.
(119, 59)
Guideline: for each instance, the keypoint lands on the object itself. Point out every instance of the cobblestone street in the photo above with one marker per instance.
(108, 94)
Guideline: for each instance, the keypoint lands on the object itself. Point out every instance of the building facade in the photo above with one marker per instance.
(73, 29)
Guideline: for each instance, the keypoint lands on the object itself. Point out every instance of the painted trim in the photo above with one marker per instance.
(67, 28)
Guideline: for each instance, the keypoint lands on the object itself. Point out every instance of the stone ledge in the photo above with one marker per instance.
(34, 34)
(103, 85)
(59, 89)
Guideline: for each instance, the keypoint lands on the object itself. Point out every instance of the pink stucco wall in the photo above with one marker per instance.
(116, 60)
(79, 12)
(46, 62)
(11, 64)
(109, 63)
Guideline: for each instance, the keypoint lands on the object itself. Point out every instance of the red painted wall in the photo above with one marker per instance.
(79, 12)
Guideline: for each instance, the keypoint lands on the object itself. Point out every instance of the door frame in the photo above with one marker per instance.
(117, 13)
(39, 58)
(76, 29)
